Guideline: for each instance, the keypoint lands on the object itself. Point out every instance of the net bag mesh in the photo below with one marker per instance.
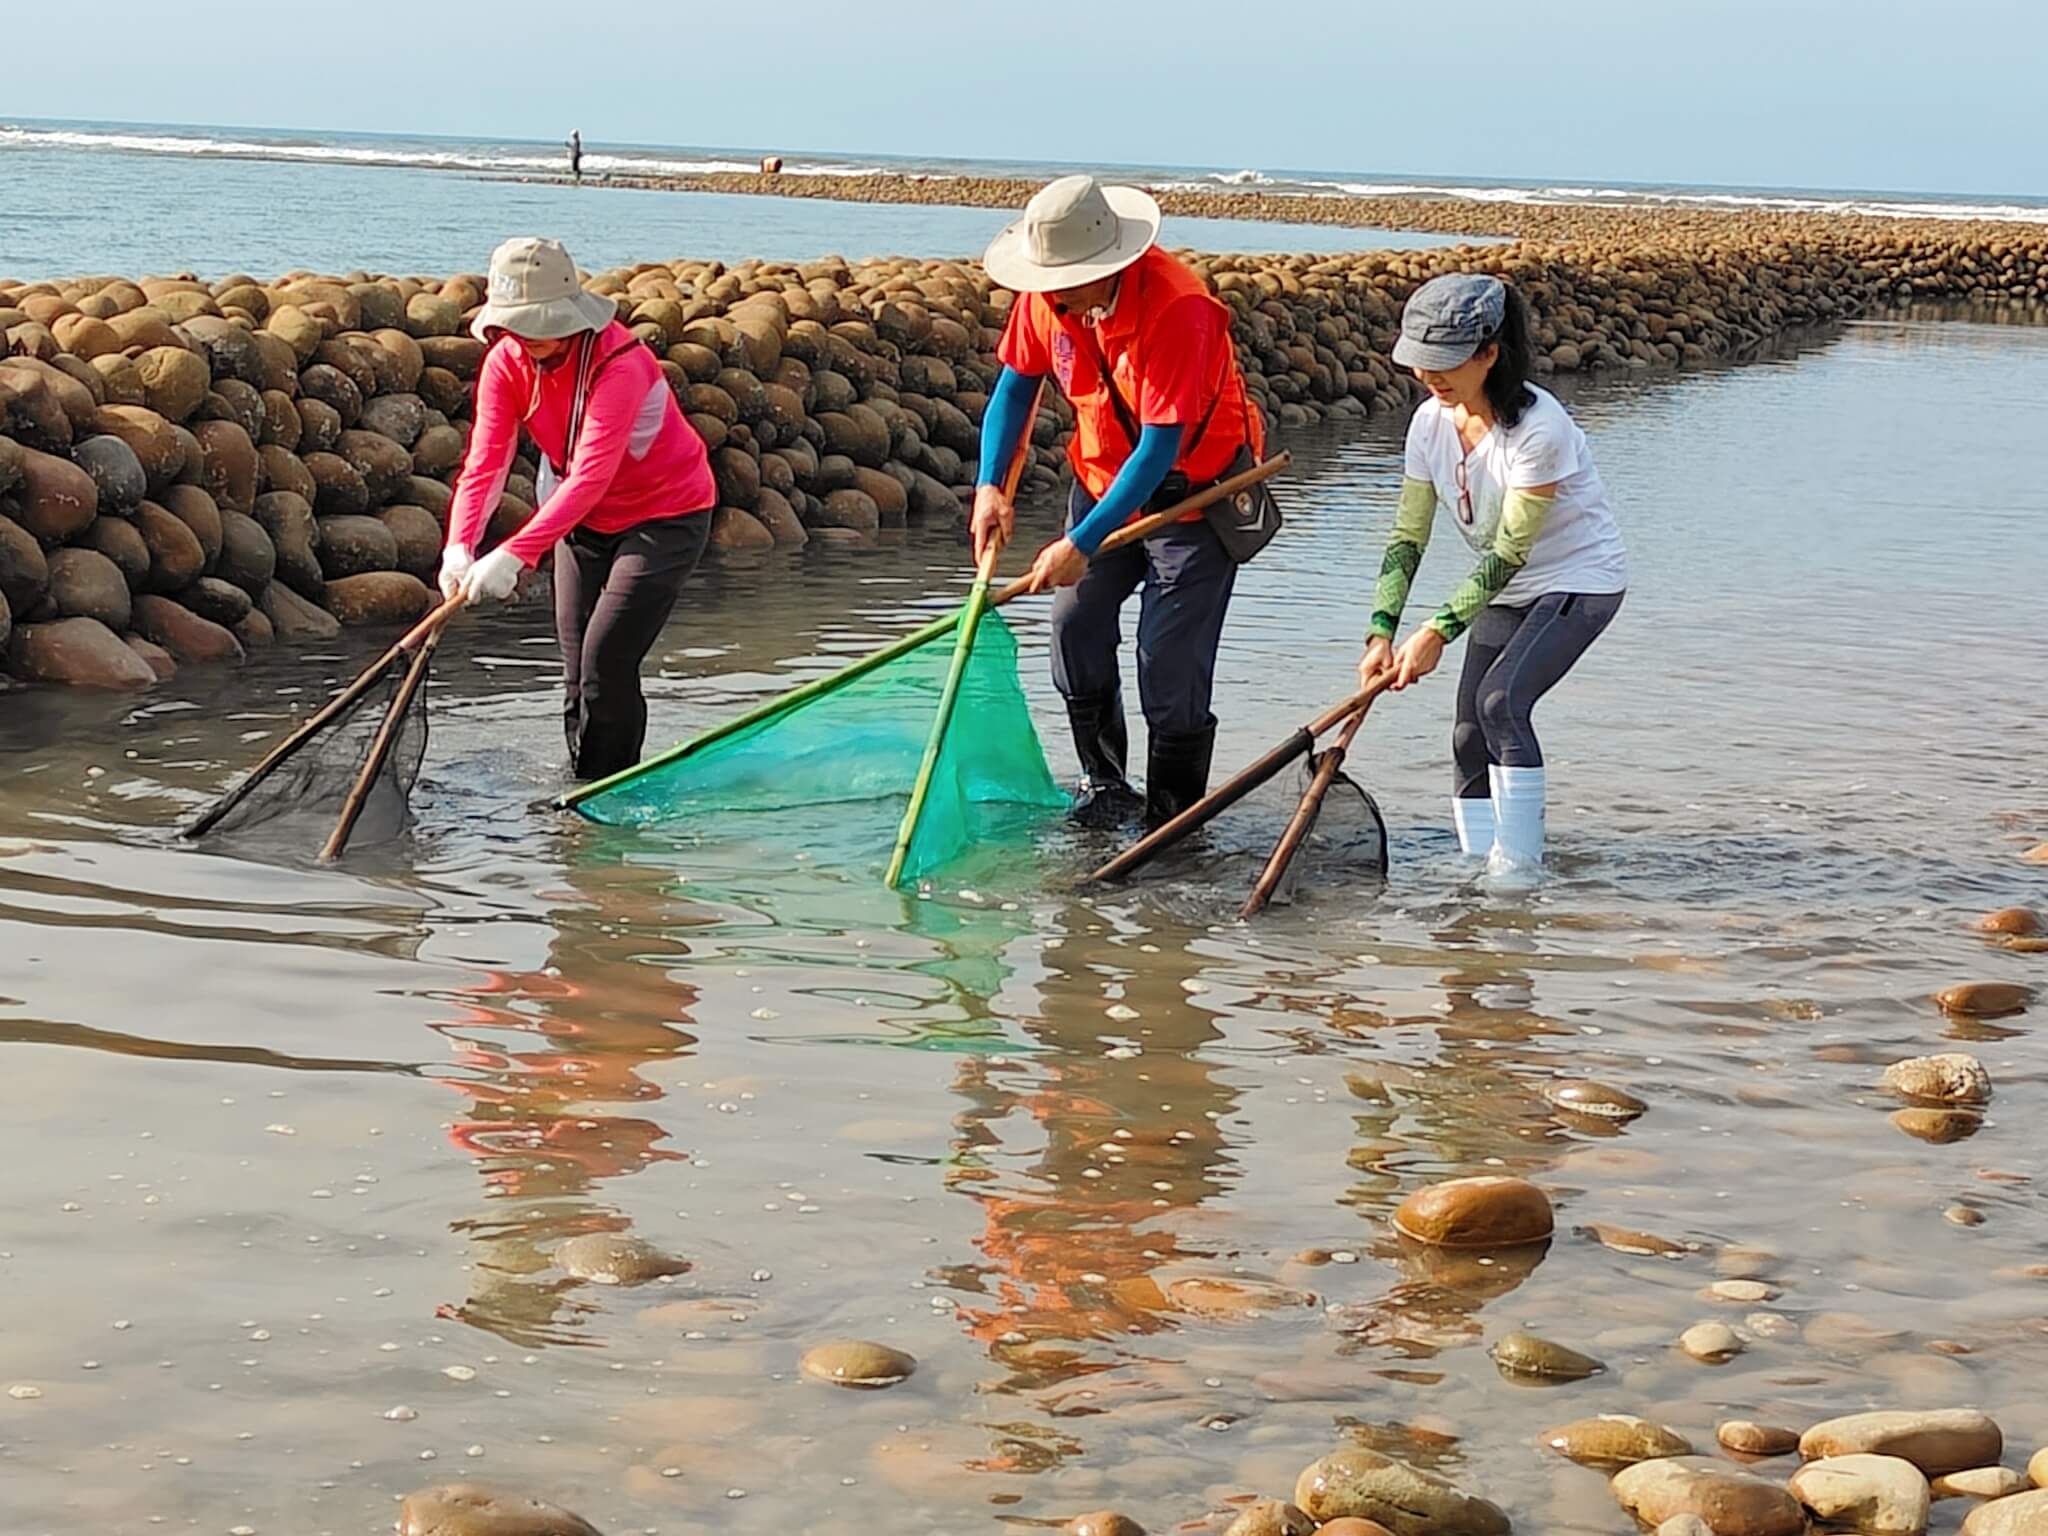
(854, 752)
(296, 806)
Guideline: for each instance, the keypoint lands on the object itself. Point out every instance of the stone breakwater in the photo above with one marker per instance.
(190, 468)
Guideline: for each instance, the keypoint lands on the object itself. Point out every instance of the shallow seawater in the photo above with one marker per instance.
(135, 213)
(287, 1148)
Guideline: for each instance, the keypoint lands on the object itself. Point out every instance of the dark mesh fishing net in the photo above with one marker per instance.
(292, 810)
(1346, 845)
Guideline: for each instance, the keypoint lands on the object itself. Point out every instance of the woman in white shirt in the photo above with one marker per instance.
(1516, 474)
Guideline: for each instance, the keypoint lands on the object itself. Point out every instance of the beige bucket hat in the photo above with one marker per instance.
(534, 292)
(1074, 231)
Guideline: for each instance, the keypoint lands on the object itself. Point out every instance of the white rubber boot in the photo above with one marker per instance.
(1473, 817)
(1518, 823)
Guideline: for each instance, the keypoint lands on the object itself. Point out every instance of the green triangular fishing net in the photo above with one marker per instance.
(835, 769)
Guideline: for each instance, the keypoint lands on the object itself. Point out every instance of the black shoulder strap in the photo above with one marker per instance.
(587, 375)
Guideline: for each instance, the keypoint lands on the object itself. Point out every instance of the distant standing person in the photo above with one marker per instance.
(625, 489)
(576, 153)
(1518, 477)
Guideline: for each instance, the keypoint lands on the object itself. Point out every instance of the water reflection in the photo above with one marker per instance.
(551, 1059)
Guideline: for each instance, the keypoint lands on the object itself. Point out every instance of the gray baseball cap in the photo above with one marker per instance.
(1449, 318)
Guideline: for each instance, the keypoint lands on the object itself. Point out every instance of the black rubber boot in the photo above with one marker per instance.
(1176, 772)
(1105, 798)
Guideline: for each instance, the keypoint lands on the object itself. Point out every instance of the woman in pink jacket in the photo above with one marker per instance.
(625, 489)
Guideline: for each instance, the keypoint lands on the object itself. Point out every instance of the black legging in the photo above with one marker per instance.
(613, 594)
(1513, 656)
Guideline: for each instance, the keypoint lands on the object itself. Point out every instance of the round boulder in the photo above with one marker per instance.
(227, 464)
(247, 557)
(352, 544)
(183, 633)
(467, 1509)
(198, 511)
(174, 381)
(85, 584)
(122, 543)
(78, 653)
(55, 499)
(1364, 1485)
(379, 597)
(1491, 1211)
(115, 471)
(857, 1363)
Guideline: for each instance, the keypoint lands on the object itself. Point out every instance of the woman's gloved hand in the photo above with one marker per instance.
(456, 560)
(492, 578)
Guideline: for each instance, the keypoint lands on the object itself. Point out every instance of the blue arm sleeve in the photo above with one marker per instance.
(1135, 484)
(1003, 424)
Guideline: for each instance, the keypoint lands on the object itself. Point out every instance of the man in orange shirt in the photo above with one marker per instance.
(1142, 349)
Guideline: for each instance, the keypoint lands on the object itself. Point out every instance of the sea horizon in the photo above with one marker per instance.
(511, 156)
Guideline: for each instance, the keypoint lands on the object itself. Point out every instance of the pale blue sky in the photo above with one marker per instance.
(1887, 94)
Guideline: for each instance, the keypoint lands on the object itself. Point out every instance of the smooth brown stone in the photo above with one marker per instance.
(83, 653)
(857, 1363)
(1712, 1343)
(1350, 1525)
(1873, 1495)
(1623, 1240)
(1103, 1522)
(1272, 1517)
(1614, 1440)
(1586, 1096)
(1487, 1212)
(1746, 1437)
(1985, 999)
(1731, 1501)
(1745, 1292)
(1981, 1483)
(1950, 1078)
(1963, 1216)
(1945, 1440)
(605, 1259)
(2037, 1468)
(467, 1509)
(2024, 1514)
(1524, 1354)
(2013, 922)
(1407, 1501)
(2038, 854)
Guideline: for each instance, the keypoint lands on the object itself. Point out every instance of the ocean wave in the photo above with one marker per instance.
(511, 160)
(484, 158)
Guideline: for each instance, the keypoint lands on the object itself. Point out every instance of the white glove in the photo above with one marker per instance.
(456, 560)
(492, 578)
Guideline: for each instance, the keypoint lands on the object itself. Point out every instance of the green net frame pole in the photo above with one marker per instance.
(963, 647)
(949, 696)
(804, 693)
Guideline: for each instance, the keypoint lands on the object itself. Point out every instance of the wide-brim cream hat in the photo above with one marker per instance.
(1074, 232)
(534, 292)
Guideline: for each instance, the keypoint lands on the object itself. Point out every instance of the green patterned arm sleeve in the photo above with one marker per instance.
(1412, 522)
(1521, 519)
